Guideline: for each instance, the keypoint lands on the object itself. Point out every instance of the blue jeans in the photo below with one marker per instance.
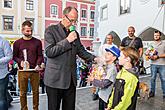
(154, 70)
(3, 93)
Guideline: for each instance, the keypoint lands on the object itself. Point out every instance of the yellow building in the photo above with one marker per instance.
(14, 12)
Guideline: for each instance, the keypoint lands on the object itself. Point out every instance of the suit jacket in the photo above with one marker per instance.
(61, 58)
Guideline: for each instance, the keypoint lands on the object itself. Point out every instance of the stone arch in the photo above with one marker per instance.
(147, 34)
(117, 39)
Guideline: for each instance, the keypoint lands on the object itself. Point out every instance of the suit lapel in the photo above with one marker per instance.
(61, 31)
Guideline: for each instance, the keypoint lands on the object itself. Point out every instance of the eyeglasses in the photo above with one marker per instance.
(71, 20)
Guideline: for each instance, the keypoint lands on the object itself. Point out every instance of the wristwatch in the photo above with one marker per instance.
(157, 56)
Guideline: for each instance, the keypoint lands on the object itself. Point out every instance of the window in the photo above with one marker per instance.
(8, 23)
(91, 31)
(104, 12)
(83, 31)
(84, 13)
(54, 10)
(124, 6)
(92, 16)
(29, 4)
(8, 3)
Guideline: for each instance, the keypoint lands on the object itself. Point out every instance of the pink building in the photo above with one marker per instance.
(85, 25)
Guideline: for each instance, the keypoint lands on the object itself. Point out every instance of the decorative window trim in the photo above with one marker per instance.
(82, 34)
(12, 21)
(125, 11)
(8, 4)
(30, 4)
(82, 13)
(91, 34)
(101, 12)
(90, 14)
(52, 14)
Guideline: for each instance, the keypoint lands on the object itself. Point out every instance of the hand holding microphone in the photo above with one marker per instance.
(72, 35)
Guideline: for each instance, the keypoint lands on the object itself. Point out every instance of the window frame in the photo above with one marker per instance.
(56, 11)
(124, 11)
(82, 14)
(92, 17)
(30, 5)
(10, 23)
(7, 5)
(83, 32)
(91, 30)
(102, 9)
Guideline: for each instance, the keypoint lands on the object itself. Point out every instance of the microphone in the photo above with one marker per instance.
(71, 29)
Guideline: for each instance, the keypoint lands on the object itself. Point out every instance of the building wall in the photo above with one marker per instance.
(19, 13)
(143, 14)
(8, 12)
(49, 18)
(41, 18)
(54, 2)
(79, 4)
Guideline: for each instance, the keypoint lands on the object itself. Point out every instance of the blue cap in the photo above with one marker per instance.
(114, 50)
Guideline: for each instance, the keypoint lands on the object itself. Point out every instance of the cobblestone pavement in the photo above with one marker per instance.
(84, 100)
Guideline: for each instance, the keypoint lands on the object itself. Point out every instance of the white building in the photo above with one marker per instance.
(118, 15)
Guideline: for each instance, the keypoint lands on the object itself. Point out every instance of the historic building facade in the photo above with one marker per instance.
(14, 12)
(86, 12)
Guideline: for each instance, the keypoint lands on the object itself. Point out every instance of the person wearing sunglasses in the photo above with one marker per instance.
(61, 48)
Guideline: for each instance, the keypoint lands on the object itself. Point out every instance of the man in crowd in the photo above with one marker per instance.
(61, 47)
(132, 41)
(158, 63)
(27, 52)
(5, 56)
(107, 44)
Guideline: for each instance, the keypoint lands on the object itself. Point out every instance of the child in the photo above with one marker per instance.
(105, 82)
(125, 89)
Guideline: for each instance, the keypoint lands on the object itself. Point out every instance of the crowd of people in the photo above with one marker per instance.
(115, 77)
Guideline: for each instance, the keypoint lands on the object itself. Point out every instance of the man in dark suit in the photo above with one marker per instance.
(61, 48)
